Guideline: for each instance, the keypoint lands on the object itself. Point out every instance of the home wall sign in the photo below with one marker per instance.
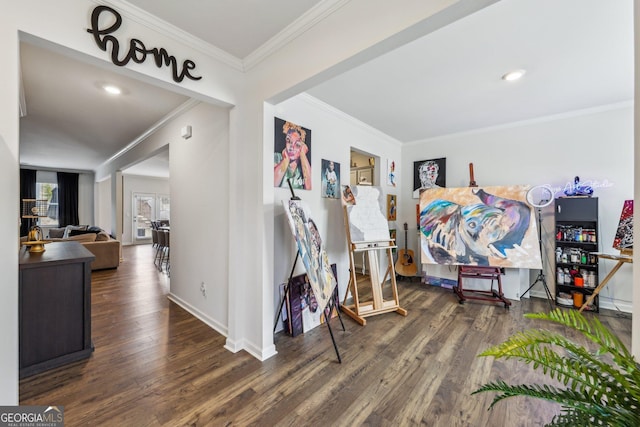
(137, 50)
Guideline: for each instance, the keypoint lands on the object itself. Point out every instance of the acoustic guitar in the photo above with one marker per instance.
(406, 265)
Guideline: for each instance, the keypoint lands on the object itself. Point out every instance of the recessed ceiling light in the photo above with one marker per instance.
(112, 90)
(513, 75)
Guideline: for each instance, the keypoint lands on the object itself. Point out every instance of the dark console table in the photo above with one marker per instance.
(55, 307)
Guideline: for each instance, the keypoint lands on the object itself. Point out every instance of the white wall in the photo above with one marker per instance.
(103, 205)
(85, 198)
(199, 184)
(138, 184)
(333, 135)
(596, 145)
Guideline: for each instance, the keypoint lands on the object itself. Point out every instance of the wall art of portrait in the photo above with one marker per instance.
(347, 196)
(311, 250)
(429, 174)
(330, 179)
(392, 172)
(624, 233)
(486, 226)
(391, 207)
(292, 155)
(366, 221)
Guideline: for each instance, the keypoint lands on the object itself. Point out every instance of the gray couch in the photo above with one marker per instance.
(106, 249)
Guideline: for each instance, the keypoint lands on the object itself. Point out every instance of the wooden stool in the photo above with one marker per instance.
(474, 272)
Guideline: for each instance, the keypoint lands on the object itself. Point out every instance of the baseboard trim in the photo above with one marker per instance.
(212, 323)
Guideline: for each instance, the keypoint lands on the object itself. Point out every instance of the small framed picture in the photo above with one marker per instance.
(330, 179)
(428, 174)
(391, 207)
(391, 172)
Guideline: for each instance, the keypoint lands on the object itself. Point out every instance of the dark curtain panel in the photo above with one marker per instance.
(27, 191)
(67, 199)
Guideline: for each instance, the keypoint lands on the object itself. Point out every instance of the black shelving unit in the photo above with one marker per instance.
(576, 244)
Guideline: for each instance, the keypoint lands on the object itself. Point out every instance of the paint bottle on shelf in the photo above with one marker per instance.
(560, 276)
(592, 279)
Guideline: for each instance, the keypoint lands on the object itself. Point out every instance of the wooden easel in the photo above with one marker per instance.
(479, 272)
(626, 256)
(327, 310)
(378, 305)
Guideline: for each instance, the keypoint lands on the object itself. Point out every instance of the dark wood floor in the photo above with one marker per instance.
(154, 364)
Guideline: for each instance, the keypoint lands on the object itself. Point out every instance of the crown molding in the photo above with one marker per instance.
(527, 122)
(154, 128)
(311, 100)
(307, 20)
(156, 24)
(22, 99)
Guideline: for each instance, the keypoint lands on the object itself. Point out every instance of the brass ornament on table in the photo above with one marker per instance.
(35, 240)
(32, 209)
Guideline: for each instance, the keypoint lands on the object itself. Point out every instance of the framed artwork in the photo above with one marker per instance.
(330, 179)
(348, 198)
(485, 226)
(624, 233)
(303, 313)
(311, 250)
(365, 177)
(292, 155)
(429, 174)
(391, 173)
(391, 207)
(294, 306)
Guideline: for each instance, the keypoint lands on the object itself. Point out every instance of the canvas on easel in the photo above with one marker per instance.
(623, 241)
(311, 250)
(481, 226)
(367, 232)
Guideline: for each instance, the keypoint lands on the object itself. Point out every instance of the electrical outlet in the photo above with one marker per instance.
(203, 289)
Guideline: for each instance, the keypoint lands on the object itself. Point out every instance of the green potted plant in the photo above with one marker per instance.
(601, 387)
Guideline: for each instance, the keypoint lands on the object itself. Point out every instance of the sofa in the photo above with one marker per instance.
(105, 248)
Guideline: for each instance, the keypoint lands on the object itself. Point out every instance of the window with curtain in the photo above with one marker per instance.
(47, 189)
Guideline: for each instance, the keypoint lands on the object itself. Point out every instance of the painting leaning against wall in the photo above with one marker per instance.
(486, 226)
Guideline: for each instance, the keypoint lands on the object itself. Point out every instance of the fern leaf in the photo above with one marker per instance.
(602, 387)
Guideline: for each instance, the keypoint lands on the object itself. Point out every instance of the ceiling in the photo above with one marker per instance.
(71, 122)
(578, 54)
